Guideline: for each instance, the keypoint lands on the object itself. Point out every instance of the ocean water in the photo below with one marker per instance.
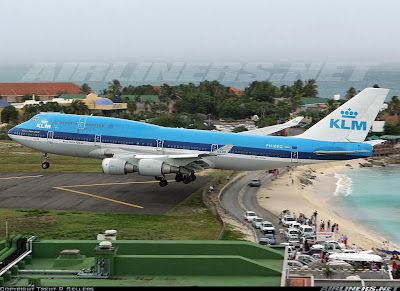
(371, 196)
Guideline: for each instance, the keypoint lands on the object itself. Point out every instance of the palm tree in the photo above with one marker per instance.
(115, 87)
(78, 107)
(350, 93)
(85, 88)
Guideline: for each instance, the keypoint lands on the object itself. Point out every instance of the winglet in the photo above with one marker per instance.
(295, 121)
(221, 151)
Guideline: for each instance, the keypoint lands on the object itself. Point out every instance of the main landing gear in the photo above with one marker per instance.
(163, 182)
(45, 164)
(186, 179)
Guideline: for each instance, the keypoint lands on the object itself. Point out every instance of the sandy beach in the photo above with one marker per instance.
(283, 193)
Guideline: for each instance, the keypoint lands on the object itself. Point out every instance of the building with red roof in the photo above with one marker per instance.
(13, 92)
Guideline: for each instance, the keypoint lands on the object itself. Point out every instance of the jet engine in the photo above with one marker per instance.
(113, 166)
(150, 167)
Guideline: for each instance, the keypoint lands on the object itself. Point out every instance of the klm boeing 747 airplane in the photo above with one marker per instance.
(127, 146)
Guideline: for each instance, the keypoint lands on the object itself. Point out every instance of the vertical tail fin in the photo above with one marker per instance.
(351, 121)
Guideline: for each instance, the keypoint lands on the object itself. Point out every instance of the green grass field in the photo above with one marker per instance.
(190, 220)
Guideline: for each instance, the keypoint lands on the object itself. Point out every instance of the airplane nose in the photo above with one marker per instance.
(11, 133)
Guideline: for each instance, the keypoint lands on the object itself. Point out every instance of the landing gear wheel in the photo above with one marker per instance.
(45, 165)
(186, 180)
(178, 178)
(192, 177)
(163, 183)
(159, 178)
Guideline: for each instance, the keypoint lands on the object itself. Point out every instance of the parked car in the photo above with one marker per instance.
(294, 224)
(306, 230)
(255, 183)
(291, 250)
(317, 253)
(271, 238)
(311, 239)
(339, 263)
(305, 259)
(329, 247)
(339, 244)
(257, 222)
(287, 219)
(264, 241)
(294, 263)
(249, 216)
(294, 240)
(267, 227)
(290, 231)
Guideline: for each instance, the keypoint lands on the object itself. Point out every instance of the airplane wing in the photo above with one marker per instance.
(177, 160)
(375, 142)
(274, 128)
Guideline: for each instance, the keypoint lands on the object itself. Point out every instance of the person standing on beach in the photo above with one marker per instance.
(337, 227)
(328, 224)
(333, 227)
(345, 240)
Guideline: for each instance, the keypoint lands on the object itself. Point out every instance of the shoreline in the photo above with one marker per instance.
(289, 191)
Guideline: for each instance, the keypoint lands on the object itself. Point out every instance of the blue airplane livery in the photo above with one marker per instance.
(127, 146)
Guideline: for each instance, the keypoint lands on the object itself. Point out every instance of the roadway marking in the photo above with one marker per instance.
(105, 184)
(95, 196)
(21, 177)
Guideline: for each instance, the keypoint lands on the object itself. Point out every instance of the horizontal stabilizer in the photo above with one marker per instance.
(375, 142)
(274, 128)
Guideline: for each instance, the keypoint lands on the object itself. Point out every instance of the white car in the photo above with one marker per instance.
(257, 222)
(295, 264)
(287, 219)
(338, 244)
(267, 227)
(294, 240)
(294, 225)
(291, 231)
(249, 216)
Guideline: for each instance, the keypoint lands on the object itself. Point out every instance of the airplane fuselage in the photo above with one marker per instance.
(94, 137)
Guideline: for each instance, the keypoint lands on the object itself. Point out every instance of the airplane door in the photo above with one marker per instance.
(294, 157)
(82, 123)
(97, 140)
(160, 144)
(50, 136)
(214, 147)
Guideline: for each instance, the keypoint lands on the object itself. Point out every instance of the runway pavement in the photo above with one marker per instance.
(93, 192)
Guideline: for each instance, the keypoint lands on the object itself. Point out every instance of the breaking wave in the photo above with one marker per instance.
(343, 185)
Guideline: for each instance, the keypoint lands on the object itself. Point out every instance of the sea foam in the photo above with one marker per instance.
(343, 185)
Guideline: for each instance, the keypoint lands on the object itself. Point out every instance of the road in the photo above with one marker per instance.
(240, 197)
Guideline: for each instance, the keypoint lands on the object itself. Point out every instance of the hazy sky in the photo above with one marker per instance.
(199, 30)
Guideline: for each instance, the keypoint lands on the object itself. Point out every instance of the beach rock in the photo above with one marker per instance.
(365, 165)
(305, 181)
(348, 165)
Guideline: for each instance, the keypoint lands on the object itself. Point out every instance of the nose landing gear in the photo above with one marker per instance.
(45, 164)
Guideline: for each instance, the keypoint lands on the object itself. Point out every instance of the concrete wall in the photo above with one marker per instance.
(199, 266)
(52, 248)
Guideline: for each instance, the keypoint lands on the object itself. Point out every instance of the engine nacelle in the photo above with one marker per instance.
(113, 166)
(150, 167)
